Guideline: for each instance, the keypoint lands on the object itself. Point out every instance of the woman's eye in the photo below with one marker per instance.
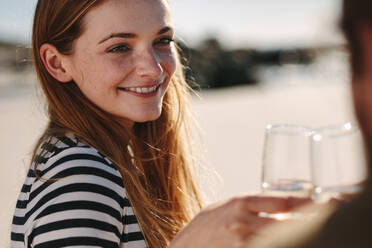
(165, 41)
(119, 49)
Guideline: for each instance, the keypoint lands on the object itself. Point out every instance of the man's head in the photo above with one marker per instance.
(357, 26)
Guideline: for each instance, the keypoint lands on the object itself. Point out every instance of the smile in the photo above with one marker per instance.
(141, 90)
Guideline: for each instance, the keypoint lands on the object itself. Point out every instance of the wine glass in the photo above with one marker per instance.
(286, 164)
(338, 162)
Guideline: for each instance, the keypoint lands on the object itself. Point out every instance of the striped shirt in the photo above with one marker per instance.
(86, 207)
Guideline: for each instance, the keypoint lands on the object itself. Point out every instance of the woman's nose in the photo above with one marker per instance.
(149, 64)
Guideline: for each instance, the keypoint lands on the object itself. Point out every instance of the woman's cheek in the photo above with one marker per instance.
(115, 69)
(168, 58)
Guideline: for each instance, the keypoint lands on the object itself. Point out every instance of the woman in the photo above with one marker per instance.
(113, 166)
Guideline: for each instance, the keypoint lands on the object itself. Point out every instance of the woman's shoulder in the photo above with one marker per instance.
(68, 156)
(78, 191)
(69, 171)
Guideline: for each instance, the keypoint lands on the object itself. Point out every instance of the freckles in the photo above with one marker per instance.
(169, 60)
(125, 65)
(84, 67)
(116, 71)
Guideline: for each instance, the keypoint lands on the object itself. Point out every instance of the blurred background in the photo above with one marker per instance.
(247, 42)
(256, 62)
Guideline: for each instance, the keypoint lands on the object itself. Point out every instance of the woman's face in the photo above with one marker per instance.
(125, 58)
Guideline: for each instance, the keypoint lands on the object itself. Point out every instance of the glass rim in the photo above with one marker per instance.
(288, 129)
(335, 131)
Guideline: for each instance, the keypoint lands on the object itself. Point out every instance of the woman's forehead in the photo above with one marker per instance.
(141, 17)
(130, 13)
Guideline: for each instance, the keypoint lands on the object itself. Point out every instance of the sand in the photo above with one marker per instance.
(232, 121)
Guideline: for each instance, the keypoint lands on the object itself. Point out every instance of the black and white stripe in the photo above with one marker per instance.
(86, 207)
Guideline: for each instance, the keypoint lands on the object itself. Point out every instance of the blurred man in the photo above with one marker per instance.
(351, 225)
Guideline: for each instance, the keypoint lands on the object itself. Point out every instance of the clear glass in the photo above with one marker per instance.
(286, 163)
(338, 162)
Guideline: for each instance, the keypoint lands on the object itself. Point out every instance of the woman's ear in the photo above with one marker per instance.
(53, 62)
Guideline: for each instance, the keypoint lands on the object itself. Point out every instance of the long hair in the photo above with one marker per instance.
(155, 160)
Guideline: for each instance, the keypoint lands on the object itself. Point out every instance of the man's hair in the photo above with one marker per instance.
(356, 14)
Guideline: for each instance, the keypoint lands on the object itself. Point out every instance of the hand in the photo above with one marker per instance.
(231, 223)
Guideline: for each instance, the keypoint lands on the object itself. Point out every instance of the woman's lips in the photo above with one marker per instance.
(141, 91)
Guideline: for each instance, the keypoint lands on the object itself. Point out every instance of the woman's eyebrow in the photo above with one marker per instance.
(131, 35)
(118, 35)
(165, 29)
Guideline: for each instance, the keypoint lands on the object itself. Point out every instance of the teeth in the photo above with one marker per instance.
(142, 90)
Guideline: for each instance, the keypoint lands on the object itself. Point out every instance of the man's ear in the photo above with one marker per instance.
(366, 33)
(54, 63)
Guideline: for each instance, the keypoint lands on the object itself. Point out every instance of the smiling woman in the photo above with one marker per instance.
(115, 165)
(107, 72)
(121, 63)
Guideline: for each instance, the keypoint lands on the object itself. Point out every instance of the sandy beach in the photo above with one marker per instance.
(232, 121)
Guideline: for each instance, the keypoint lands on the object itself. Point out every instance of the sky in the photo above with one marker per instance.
(236, 23)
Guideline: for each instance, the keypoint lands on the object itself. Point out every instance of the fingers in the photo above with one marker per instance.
(268, 204)
(249, 224)
(238, 218)
(295, 202)
(232, 222)
(241, 230)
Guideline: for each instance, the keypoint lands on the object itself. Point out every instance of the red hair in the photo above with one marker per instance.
(160, 182)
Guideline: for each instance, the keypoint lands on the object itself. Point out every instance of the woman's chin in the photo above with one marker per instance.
(148, 117)
(140, 116)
